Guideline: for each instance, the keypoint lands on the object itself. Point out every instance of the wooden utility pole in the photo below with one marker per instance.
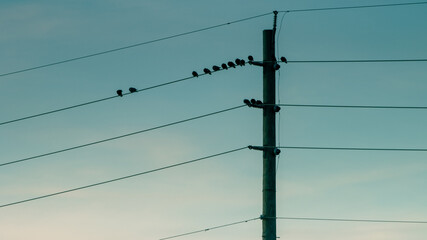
(269, 138)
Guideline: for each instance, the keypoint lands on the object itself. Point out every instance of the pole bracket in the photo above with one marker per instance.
(275, 150)
(256, 63)
(258, 104)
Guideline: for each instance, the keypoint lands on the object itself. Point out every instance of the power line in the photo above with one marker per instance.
(355, 148)
(354, 7)
(57, 110)
(133, 45)
(122, 178)
(303, 219)
(187, 78)
(352, 106)
(96, 101)
(199, 30)
(211, 228)
(351, 220)
(354, 60)
(117, 137)
(359, 61)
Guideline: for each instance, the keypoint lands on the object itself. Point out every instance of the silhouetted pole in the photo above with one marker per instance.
(269, 138)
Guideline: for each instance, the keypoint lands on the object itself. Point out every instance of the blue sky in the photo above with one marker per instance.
(319, 184)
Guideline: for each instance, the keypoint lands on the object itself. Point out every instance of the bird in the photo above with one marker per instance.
(215, 68)
(224, 66)
(207, 71)
(119, 92)
(237, 61)
(283, 59)
(231, 64)
(195, 74)
(247, 102)
(132, 90)
(259, 102)
(250, 58)
(253, 101)
(242, 62)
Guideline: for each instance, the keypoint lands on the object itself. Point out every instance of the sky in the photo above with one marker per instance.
(388, 185)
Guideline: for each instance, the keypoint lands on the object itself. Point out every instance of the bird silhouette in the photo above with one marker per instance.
(132, 90)
(231, 64)
(237, 61)
(250, 58)
(195, 74)
(207, 71)
(283, 59)
(119, 92)
(242, 62)
(224, 66)
(215, 68)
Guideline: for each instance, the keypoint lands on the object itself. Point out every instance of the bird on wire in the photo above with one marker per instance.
(195, 74)
(224, 66)
(119, 92)
(215, 68)
(231, 64)
(238, 61)
(283, 59)
(207, 71)
(132, 90)
(250, 58)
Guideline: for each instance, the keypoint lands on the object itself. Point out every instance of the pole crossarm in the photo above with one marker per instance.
(276, 151)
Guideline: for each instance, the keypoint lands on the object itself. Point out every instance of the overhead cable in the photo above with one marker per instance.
(121, 178)
(196, 75)
(133, 45)
(211, 228)
(118, 137)
(355, 148)
(353, 7)
(352, 220)
(96, 101)
(200, 30)
(360, 61)
(302, 219)
(351, 106)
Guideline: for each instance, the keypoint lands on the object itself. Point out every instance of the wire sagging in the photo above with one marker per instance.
(121, 178)
(118, 137)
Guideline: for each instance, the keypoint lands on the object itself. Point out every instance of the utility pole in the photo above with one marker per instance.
(270, 151)
(269, 134)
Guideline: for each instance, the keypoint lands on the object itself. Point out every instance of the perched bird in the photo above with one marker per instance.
(224, 66)
(283, 59)
(207, 71)
(215, 68)
(250, 58)
(195, 74)
(253, 101)
(242, 62)
(119, 92)
(231, 64)
(247, 102)
(258, 102)
(132, 90)
(237, 61)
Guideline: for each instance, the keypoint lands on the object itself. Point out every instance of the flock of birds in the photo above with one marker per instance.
(230, 64)
(224, 66)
